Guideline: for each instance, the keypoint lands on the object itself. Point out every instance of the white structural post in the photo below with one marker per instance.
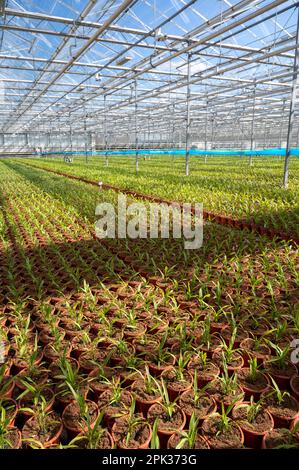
(85, 138)
(71, 135)
(252, 124)
(188, 114)
(136, 129)
(281, 122)
(105, 132)
(206, 131)
(292, 107)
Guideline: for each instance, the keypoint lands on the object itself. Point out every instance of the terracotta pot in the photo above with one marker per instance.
(165, 428)
(248, 352)
(105, 442)
(11, 407)
(143, 402)
(174, 387)
(99, 386)
(252, 437)
(294, 384)
(236, 364)
(14, 437)
(120, 428)
(231, 439)
(29, 431)
(115, 409)
(71, 418)
(157, 370)
(204, 408)
(7, 387)
(281, 377)
(200, 442)
(282, 418)
(204, 375)
(251, 389)
(278, 437)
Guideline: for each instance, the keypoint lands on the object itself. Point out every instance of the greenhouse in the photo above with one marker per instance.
(149, 227)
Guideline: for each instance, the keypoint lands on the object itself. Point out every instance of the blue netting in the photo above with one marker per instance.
(224, 152)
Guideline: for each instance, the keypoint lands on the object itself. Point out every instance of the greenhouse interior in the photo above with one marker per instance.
(149, 226)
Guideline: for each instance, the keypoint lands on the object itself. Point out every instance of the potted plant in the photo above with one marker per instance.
(79, 415)
(280, 367)
(281, 438)
(222, 432)
(10, 437)
(207, 370)
(252, 380)
(281, 405)
(131, 431)
(95, 437)
(177, 378)
(115, 401)
(146, 391)
(229, 355)
(255, 347)
(254, 421)
(188, 439)
(7, 383)
(226, 389)
(162, 360)
(44, 428)
(170, 417)
(197, 401)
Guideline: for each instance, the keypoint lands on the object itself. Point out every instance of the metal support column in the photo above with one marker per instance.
(252, 124)
(71, 135)
(292, 108)
(206, 131)
(105, 132)
(136, 129)
(85, 138)
(188, 121)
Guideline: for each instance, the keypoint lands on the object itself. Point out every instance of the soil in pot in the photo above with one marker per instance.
(48, 435)
(131, 436)
(253, 428)
(175, 383)
(282, 376)
(230, 437)
(206, 370)
(202, 405)
(12, 439)
(73, 420)
(284, 412)
(174, 440)
(166, 425)
(253, 386)
(103, 440)
(144, 398)
(280, 438)
(113, 408)
(253, 349)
